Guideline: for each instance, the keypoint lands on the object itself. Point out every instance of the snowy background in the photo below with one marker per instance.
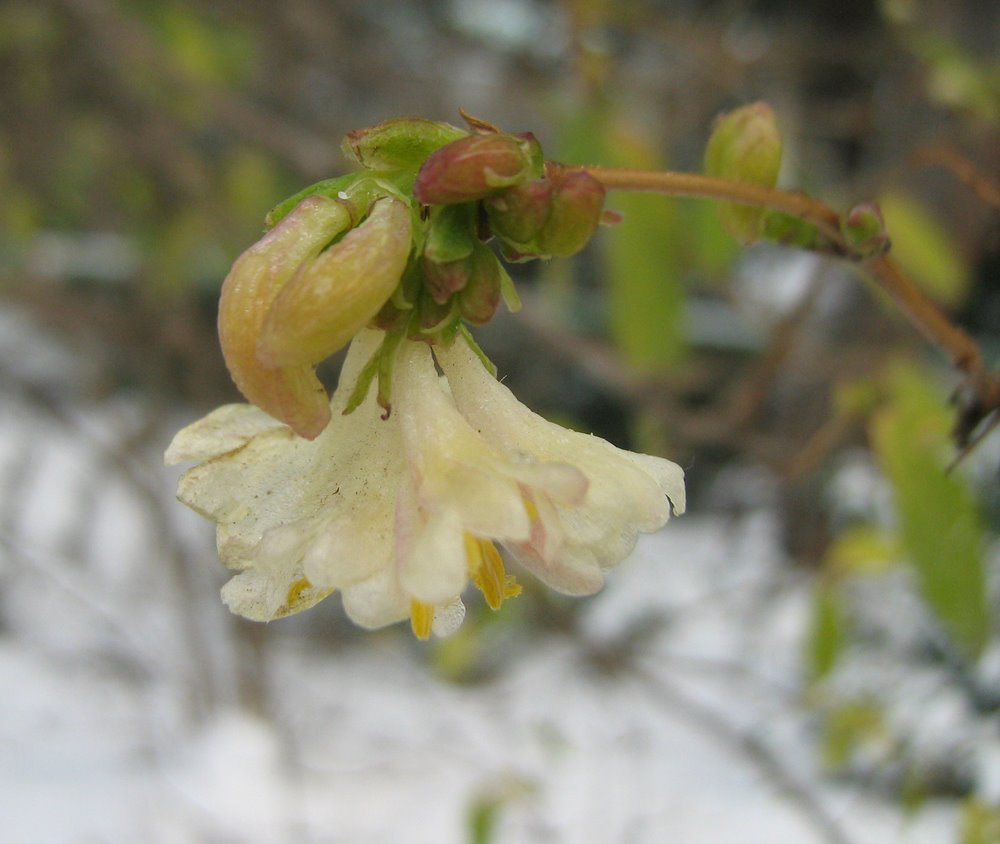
(667, 708)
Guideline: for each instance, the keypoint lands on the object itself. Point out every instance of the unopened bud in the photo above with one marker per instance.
(443, 280)
(402, 144)
(480, 297)
(864, 230)
(475, 167)
(745, 146)
(334, 296)
(575, 212)
(292, 394)
(518, 214)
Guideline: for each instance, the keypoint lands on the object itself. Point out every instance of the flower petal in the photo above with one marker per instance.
(225, 429)
(292, 509)
(334, 296)
(292, 394)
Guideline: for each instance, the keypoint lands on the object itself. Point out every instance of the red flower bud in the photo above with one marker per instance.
(476, 166)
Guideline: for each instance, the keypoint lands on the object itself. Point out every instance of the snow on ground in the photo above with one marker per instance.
(119, 722)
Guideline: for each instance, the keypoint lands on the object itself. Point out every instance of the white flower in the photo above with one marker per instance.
(400, 513)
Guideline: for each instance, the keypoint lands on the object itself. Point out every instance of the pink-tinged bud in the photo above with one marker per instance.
(476, 166)
(443, 280)
(402, 144)
(451, 237)
(480, 297)
(435, 317)
(518, 214)
(577, 201)
(864, 230)
(745, 146)
(292, 394)
(334, 296)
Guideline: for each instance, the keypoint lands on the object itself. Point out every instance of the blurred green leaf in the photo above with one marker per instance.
(640, 254)
(924, 249)
(826, 634)
(862, 550)
(980, 823)
(939, 524)
(956, 78)
(483, 820)
(850, 727)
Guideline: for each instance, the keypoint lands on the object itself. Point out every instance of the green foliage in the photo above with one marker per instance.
(848, 729)
(980, 823)
(826, 634)
(924, 249)
(939, 525)
(641, 263)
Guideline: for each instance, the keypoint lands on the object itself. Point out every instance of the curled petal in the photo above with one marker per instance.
(292, 394)
(331, 298)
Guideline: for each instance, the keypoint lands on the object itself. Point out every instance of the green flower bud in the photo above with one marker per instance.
(402, 144)
(476, 166)
(864, 230)
(745, 146)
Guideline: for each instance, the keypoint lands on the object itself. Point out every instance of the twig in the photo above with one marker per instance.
(981, 389)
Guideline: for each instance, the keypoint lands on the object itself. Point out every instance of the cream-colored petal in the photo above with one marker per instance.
(377, 601)
(454, 466)
(626, 493)
(225, 429)
(433, 569)
(290, 508)
(264, 595)
(638, 486)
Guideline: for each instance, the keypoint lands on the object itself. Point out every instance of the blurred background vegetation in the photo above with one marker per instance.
(141, 145)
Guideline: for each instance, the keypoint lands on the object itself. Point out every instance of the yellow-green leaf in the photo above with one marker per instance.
(939, 524)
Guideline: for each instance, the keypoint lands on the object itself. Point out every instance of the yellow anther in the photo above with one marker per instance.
(473, 554)
(530, 508)
(296, 589)
(421, 618)
(488, 572)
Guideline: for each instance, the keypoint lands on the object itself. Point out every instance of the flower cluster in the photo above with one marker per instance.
(399, 496)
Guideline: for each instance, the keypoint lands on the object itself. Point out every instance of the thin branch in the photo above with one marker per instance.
(981, 390)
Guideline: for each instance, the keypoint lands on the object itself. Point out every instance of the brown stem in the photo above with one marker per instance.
(925, 316)
(921, 311)
(709, 187)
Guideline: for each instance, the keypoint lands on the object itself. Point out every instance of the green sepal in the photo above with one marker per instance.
(400, 144)
(363, 383)
(488, 365)
(451, 234)
(386, 365)
(508, 290)
(356, 190)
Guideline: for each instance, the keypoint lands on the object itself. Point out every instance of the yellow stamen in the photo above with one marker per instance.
(530, 508)
(296, 589)
(488, 573)
(421, 618)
